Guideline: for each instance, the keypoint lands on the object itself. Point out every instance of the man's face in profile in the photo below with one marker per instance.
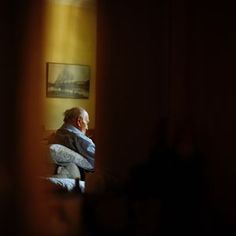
(83, 122)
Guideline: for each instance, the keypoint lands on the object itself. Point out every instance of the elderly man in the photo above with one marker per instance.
(72, 134)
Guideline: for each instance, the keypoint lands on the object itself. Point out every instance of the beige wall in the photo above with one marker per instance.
(70, 38)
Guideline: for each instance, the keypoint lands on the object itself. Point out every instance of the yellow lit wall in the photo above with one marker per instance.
(70, 38)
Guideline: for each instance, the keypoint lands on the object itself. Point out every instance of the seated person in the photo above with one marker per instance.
(72, 134)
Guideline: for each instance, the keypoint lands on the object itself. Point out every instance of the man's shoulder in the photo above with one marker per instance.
(60, 136)
(62, 131)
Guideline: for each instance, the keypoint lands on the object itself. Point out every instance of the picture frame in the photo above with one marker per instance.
(67, 80)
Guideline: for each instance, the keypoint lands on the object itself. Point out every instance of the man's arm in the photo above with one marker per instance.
(86, 148)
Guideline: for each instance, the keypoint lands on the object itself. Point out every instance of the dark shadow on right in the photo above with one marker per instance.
(166, 195)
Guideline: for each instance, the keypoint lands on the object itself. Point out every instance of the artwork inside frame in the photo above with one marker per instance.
(68, 80)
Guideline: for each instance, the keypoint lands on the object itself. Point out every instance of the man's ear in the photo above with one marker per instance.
(78, 122)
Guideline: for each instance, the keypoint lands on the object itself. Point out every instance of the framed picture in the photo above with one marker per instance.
(67, 80)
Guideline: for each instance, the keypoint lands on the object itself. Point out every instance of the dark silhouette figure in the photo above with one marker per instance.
(173, 176)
